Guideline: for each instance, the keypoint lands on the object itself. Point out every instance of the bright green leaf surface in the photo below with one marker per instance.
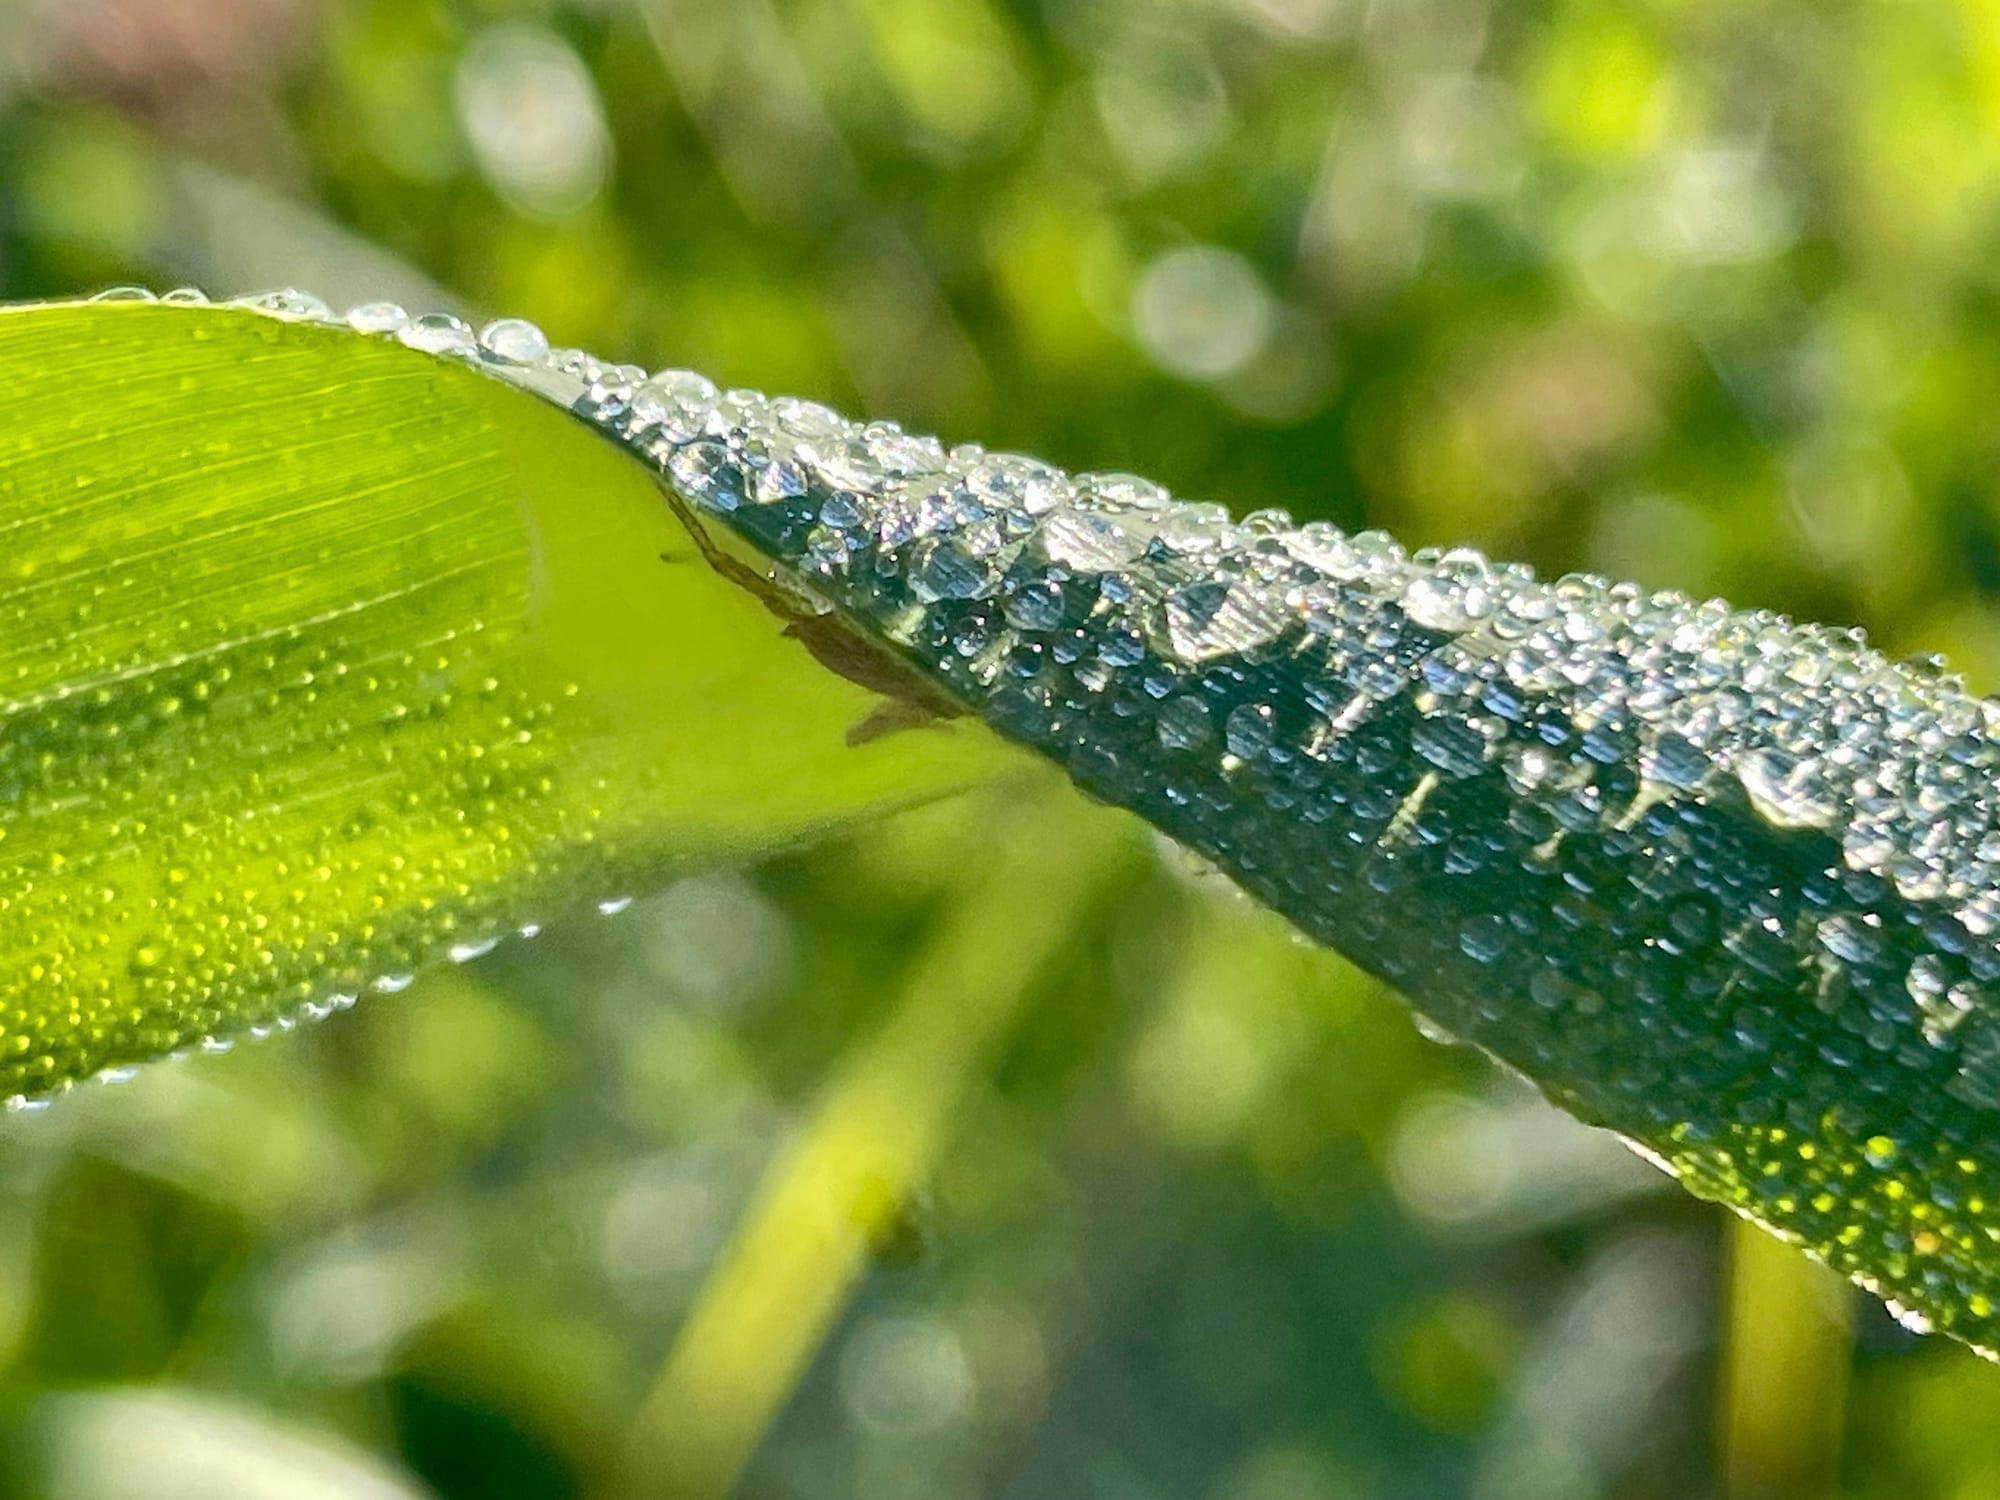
(321, 659)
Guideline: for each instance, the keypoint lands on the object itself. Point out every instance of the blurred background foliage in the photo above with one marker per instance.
(865, 1174)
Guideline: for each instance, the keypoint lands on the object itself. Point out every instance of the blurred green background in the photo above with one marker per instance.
(822, 1171)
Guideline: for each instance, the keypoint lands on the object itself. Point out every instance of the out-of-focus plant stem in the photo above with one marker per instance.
(1787, 1347)
(832, 1192)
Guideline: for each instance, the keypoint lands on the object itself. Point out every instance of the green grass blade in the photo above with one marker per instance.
(321, 659)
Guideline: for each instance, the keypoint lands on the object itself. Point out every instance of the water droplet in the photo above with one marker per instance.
(1248, 730)
(289, 302)
(943, 570)
(1217, 618)
(514, 341)
(1008, 480)
(1912, 1320)
(1453, 746)
(1483, 939)
(377, 317)
(705, 473)
(1184, 723)
(1037, 605)
(1783, 790)
(1090, 543)
(1674, 761)
(438, 333)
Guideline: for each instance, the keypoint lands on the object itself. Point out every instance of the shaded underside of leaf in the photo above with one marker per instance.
(1721, 882)
(321, 659)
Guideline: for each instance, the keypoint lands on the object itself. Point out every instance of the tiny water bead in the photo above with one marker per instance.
(377, 317)
(514, 340)
(1724, 883)
(440, 333)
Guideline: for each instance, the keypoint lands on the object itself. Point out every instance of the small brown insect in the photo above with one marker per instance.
(911, 700)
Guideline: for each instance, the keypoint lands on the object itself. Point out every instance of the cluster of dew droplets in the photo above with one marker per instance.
(1346, 727)
(1017, 584)
(1728, 883)
(1813, 727)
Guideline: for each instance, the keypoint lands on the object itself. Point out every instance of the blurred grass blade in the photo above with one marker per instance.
(1787, 1346)
(321, 659)
(836, 1189)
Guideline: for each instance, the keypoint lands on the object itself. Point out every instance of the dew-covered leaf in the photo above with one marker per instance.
(1727, 885)
(322, 659)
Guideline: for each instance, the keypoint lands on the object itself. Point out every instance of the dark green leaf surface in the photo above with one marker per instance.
(1724, 883)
